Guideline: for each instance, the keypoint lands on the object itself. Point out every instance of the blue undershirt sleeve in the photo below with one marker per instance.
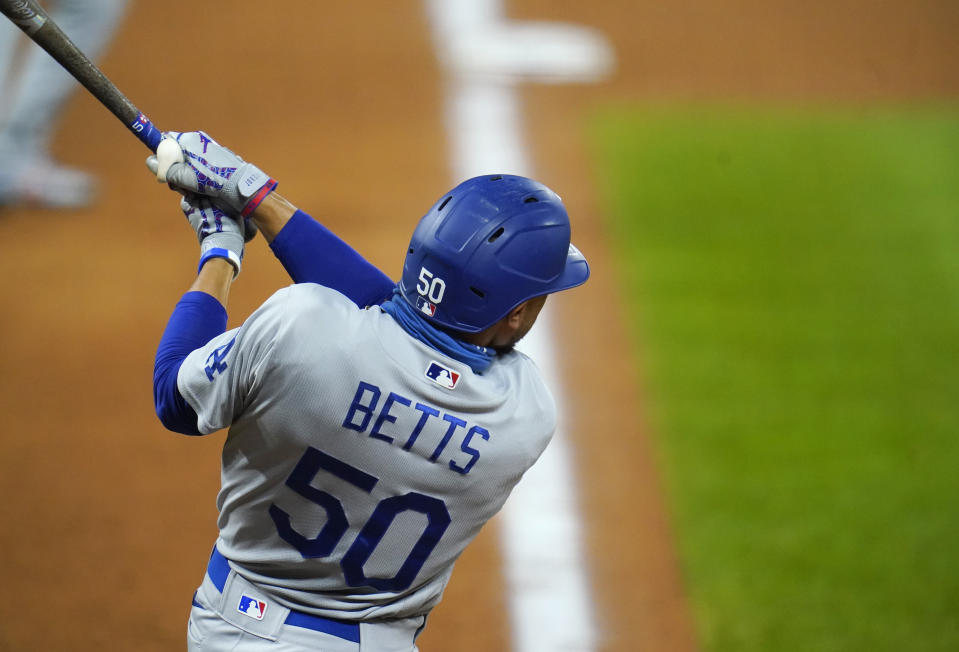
(311, 253)
(197, 319)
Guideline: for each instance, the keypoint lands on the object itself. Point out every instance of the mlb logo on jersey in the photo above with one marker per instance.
(251, 607)
(442, 376)
(425, 307)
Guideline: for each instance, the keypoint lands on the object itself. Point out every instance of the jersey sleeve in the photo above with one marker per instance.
(197, 318)
(216, 379)
(311, 253)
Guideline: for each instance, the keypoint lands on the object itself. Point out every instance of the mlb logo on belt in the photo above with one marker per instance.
(251, 607)
(442, 376)
(425, 307)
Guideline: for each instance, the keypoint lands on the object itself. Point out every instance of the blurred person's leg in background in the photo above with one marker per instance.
(34, 90)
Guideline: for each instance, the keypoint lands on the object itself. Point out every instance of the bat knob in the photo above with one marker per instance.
(168, 153)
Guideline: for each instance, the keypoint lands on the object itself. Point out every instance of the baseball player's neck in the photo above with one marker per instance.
(504, 334)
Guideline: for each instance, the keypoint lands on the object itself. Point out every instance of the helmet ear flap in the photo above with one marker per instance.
(485, 247)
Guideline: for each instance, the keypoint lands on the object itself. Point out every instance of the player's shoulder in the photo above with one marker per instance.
(309, 294)
(303, 307)
(307, 298)
(517, 363)
(520, 374)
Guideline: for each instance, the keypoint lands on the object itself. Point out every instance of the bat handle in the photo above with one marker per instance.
(143, 129)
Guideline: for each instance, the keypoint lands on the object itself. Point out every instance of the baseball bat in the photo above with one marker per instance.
(36, 24)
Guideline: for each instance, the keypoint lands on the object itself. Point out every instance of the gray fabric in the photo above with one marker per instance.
(217, 625)
(288, 381)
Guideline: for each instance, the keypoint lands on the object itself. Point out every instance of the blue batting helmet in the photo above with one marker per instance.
(486, 246)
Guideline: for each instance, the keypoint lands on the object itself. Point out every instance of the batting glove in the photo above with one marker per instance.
(220, 235)
(213, 171)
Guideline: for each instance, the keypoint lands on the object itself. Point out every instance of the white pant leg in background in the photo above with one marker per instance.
(9, 34)
(33, 104)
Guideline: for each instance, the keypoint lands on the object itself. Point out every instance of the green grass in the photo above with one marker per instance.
(795, 278)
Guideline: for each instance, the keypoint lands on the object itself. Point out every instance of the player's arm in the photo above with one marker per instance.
(307, 250)
(311, 253)
(200, 315)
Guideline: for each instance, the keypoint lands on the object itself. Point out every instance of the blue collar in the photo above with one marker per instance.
(479, 358)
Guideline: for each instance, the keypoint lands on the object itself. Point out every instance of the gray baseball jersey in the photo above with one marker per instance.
(360, 462)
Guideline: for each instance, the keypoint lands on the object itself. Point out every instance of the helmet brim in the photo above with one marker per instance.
(575, 273)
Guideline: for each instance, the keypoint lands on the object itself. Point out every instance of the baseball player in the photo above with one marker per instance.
(374, 427)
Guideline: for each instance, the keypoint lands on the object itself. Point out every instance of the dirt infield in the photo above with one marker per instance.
(108, 519)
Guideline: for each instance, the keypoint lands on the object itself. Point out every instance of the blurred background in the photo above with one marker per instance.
(760, 378)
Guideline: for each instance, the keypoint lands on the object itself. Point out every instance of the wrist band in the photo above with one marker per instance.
(258, 198)
(220, 252)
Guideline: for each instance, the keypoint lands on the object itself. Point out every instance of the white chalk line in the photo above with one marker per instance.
(551, 607)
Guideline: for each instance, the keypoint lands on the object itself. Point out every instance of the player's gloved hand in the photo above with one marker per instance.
(220, 235)
(213, 171)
